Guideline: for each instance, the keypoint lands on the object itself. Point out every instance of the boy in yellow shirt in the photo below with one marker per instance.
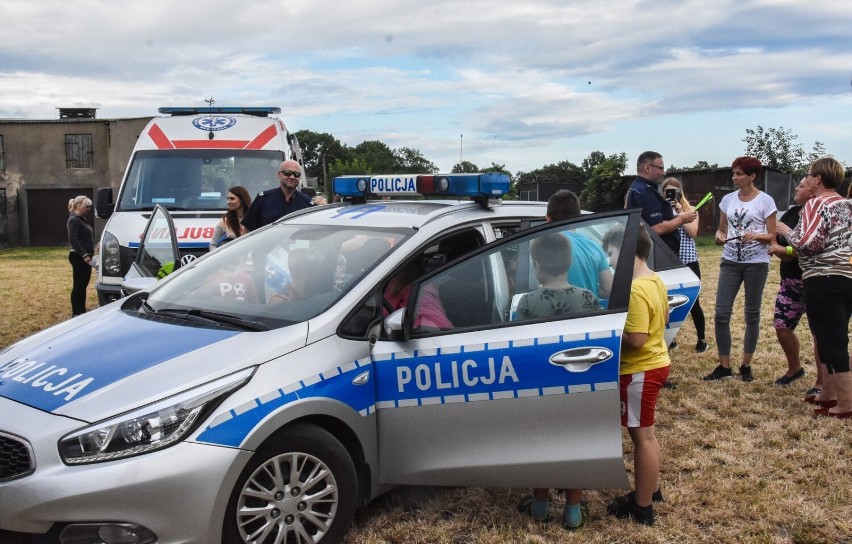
(644, 369)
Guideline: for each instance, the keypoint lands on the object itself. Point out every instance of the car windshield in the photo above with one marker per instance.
(279, 276)
(195, 179)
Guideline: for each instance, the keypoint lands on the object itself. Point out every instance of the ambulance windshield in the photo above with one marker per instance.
(195, 179)
(281, 275)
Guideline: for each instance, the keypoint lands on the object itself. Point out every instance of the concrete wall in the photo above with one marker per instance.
(35, 159)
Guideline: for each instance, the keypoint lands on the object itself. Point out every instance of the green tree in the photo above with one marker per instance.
(355, 166)
(605, 188)
(411, 161)
(700, 165)
(779, 148)
(465, 167)
(377, 155)
(591, 162)
(817, 152)
(318, 147)
(563, 172)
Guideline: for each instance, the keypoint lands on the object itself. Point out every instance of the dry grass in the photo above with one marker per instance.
(742, 462)
(36, 291)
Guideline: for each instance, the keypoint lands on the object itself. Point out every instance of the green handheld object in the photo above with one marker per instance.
(707, 197)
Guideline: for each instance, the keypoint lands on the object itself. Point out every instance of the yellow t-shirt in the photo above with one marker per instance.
(646, 313)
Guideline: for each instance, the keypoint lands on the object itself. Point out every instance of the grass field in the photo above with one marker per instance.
(742, 462)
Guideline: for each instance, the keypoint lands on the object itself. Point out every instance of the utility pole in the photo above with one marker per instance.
(461, 148)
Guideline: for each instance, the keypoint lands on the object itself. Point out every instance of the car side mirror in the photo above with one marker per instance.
(394, 325)
(104, 205)
(134, 285)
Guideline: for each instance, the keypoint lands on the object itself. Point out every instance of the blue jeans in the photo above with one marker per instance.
(731, 276)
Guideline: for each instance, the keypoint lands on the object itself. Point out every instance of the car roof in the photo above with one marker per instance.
(412, 213)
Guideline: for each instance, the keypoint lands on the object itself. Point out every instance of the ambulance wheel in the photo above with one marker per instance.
(299, 487)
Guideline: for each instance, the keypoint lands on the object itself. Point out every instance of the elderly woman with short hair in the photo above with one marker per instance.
(823, 240)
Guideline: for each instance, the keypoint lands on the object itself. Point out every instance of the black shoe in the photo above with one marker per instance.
(701, 346)
(657, 496)
(669, 385)
(786, 380)
(673, 345)
(626, 507)
(719, 373)
(745, 373)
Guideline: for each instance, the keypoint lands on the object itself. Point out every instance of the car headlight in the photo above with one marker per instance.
(111, 255)
(149, 428)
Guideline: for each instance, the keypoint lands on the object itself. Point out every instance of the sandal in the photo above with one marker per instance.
(525, 507)
(584, 515)
(811, 394)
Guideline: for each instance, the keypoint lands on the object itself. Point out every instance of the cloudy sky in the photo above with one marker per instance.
(519, 83)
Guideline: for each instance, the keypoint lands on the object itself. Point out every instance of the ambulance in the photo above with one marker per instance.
(266, 391)
(185, 160)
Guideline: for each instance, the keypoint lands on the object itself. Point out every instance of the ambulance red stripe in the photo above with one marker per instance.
(159, 137)
(263, 138)
(163, 142)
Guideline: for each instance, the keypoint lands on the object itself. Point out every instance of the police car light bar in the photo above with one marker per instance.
(490, 185)
(260, 111)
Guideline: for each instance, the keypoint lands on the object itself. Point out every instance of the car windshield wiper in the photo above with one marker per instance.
(147, 307)
(213, 317)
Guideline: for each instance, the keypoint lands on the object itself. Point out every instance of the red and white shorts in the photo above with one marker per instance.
(639, 394)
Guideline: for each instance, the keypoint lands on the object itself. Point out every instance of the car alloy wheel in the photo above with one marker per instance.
(305, 492)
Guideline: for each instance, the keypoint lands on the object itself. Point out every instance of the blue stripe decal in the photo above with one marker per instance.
(678, 315)
(463, 374)
(232, 427)
(356, 212)
(515, 369)
(95, 355)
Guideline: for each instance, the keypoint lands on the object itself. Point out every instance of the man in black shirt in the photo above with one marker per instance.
(273, 204)
(657, 212)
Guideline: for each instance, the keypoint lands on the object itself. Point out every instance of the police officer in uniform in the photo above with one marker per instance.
(657, 212)
(275, 203)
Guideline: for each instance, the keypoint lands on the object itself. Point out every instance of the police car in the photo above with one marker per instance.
(267, 390)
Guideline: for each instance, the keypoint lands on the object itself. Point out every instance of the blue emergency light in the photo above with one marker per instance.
(488, 185)
(259, 111)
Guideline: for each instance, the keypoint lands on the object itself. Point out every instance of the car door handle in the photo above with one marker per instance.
(580, 359)
(676, 301)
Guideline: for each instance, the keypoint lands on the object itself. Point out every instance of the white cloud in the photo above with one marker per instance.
(544, 76)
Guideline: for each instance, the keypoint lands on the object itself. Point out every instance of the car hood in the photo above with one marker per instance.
(108, 362)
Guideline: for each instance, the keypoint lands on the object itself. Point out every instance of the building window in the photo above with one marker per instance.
(2, 155)
(78, 151)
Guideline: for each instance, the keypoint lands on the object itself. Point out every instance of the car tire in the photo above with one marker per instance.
(265, 505)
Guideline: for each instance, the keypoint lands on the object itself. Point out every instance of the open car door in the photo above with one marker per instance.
(501, 399)
(157, 256)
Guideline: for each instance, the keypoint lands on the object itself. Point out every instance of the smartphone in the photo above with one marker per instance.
(671, 194)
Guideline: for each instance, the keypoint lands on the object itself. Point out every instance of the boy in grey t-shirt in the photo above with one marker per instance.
(551, 256)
